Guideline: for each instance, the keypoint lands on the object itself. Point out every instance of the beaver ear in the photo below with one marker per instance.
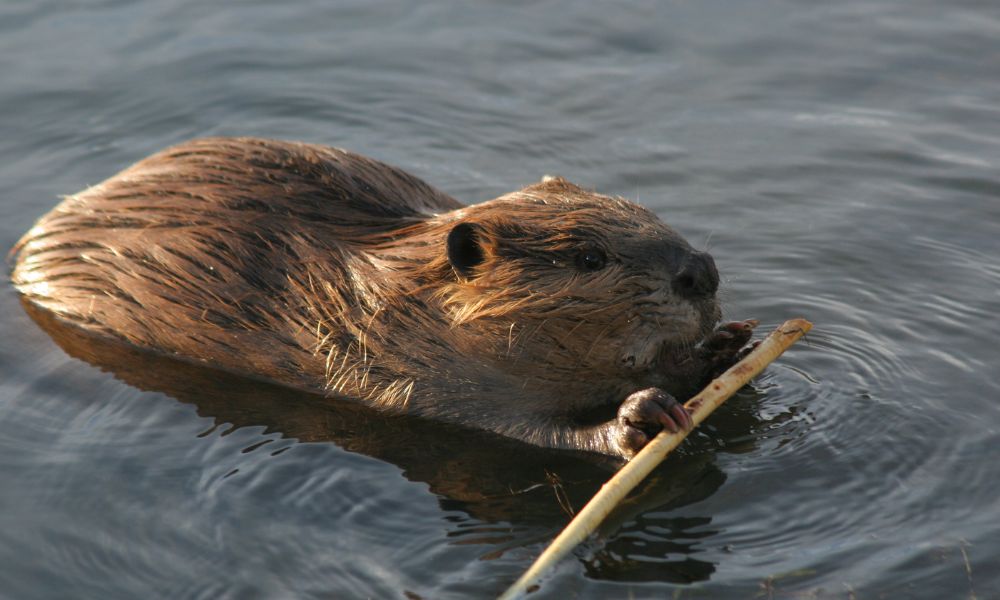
(465, 249)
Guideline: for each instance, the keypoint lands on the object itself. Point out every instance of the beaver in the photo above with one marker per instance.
(553, 315)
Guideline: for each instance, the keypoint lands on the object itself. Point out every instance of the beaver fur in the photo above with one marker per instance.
(553, 315)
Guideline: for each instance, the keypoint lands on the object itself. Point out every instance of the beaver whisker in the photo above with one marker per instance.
(528, 335)
(596, 340)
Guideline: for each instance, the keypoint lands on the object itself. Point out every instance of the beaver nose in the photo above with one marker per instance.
(698, 278)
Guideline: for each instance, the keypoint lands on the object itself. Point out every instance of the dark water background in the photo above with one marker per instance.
(841, 160)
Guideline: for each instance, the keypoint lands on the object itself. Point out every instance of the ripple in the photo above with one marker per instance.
(840, 162)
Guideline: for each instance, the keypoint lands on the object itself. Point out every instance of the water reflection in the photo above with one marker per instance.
(518, 495)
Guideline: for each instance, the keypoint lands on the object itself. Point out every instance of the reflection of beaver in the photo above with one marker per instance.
(532, 315)
(526, 488)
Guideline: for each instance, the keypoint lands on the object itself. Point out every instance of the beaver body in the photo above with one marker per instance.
(533, 315)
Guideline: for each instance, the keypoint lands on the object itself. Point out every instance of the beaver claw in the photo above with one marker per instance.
(724, 347)
(644, 414)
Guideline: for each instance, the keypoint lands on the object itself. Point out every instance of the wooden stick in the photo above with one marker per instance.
(612, 492)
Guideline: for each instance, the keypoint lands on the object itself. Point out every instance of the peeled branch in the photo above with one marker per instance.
(614, 491)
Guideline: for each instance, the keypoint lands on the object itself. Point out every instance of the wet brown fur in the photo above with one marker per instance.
(327, 271)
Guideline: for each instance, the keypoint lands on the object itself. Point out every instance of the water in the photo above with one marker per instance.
(840, 160)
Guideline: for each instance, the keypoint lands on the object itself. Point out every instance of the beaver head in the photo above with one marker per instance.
(555, 255)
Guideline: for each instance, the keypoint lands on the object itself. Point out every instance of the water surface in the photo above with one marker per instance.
(840, 161)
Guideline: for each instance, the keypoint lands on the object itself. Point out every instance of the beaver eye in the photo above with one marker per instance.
(591, 259)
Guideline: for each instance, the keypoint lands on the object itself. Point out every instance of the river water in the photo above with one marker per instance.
(840, 160)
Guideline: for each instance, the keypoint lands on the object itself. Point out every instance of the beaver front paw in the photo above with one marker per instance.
(643, 415)
(725, 346)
